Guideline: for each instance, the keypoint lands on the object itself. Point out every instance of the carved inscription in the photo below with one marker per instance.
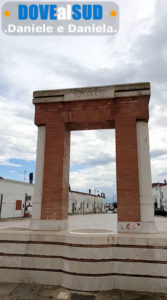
(91, 93)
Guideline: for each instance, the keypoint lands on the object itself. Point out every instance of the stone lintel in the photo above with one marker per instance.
(91, 93)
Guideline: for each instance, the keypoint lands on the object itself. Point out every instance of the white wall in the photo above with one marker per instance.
(80, 203)
(156, 195)
(159, 193)
(164, 196)
(12, 191)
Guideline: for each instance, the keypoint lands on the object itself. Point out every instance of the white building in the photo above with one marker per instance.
(15, 198)
(82, 203)
(159, 192)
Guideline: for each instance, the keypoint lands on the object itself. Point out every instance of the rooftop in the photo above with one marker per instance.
(158, 184)
(15, 181)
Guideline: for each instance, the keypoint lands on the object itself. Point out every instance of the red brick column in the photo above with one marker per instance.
(127, 169)
(56, 173)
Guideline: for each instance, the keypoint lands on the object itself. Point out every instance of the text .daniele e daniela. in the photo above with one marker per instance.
(70, 28)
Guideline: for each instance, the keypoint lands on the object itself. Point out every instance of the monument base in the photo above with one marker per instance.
(85, 260)
(49, 225)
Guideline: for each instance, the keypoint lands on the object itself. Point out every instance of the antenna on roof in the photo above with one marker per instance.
(25, 175)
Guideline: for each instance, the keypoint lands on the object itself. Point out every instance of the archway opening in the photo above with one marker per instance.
(92, 178)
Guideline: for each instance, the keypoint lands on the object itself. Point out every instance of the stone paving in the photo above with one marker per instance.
(12, 291)
(107, 221)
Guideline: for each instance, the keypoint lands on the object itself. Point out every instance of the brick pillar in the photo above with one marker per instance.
(127, 170)
(54, 206)
(135, 210)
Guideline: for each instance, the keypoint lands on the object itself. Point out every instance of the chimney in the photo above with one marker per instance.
(89, 191)
(30, 177)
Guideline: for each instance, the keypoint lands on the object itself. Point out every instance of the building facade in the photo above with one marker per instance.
(15, 198)
(83, 203)
(159, 192)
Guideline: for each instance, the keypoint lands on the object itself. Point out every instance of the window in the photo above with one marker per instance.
(18, 204)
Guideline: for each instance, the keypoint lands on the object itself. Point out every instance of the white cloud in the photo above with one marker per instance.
(18, 134)
(92, 147)
(97, 178)
(94, 151)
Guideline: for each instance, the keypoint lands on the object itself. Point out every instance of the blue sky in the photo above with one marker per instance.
(21, 172)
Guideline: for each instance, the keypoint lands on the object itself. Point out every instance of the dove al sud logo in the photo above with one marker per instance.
(60, 18)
